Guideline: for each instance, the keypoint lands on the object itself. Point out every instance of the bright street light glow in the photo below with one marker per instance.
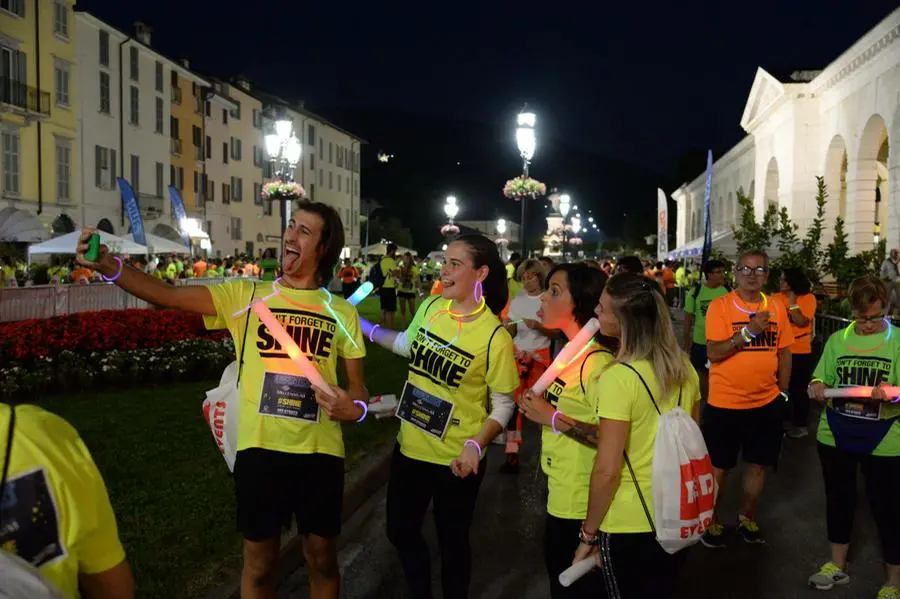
(576, 225)
(273, 145)
(564, 205)
(501, 226)
(526, 141)
(292, 151)
(526, 119)
(283, 129)
(451, 209)
(590, 219)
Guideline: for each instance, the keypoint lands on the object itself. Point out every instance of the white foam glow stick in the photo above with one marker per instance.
(566, 355)
(861, 392)
(568, 576)
(362, 293)
(290, 346)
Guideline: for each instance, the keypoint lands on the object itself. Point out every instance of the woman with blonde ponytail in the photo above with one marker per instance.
(649, 368)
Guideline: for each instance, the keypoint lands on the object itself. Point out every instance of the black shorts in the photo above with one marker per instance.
(699, 358)
(388, 299)
(272, 486)
(756, 433)
(406, 295)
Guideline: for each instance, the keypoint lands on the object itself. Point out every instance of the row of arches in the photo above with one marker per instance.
(864, 170)
(64, 224)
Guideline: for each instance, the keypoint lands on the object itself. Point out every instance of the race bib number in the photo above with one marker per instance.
(864, 410)
(30, 524)
(425, 411)
(288, 396)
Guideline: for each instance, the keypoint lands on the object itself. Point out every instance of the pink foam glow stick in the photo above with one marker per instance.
(306, 367)
(566, 355)
(861, 392)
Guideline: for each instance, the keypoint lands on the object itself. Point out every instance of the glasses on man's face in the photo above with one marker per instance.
(869, 319)
(748, 270)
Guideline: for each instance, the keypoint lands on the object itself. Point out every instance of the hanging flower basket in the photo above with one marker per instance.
(575, 241)
(502, 241)
(449, 229)
(281, 190)
(524, 187)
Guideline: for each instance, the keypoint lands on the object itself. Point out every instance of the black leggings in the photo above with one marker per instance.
(801, 372)
(560, 543)
(882, 476)
(413, 484)
(635, 567)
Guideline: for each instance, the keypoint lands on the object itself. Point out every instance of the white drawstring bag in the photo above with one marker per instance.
(684, 488)
(21, 580)
(221, 410)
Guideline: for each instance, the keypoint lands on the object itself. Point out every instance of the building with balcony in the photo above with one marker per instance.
(187, 93)
(39, 151)
(237, 220)
(841, 122)
(329, 169)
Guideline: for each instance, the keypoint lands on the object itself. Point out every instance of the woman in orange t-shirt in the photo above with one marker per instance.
(801, 308)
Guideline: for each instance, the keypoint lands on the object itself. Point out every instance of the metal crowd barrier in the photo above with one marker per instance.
(46, 301)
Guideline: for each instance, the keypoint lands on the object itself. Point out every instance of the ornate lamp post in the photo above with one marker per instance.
(565, 204)
(284, 151)
(451, 209)
(526, 142)
(501, 240)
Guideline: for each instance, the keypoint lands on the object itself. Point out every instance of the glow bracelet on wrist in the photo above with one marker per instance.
(290, 346)
(473, 443)
(365, 409)
(571, 349)
(795, 307)
(372, 333)
(113, 278)
(553, 421)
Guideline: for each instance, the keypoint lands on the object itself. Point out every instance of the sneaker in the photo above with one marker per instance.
(797, 432)
(748, 529)
(827, 577)
(889, 592)
(714, 537)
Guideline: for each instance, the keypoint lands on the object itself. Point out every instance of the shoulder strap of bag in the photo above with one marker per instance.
(7, 452)
(625, 453)
(244, 342)
(581, 372)
(487, 360)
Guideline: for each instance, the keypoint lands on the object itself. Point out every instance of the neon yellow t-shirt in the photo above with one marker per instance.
(566, 462)
(56, 511)
(619, 395)
(387, 265)
(458, 374)
(278, 409)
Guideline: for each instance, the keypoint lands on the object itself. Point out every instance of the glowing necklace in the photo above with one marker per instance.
(764, 303)
(457, 317)
(887, 337)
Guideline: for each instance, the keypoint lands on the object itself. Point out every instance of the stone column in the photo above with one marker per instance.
(861, 180)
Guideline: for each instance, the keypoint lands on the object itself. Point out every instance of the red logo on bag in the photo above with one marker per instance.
(698, 487)
(217, 422)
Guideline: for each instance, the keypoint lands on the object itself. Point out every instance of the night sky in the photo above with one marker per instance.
(640, 81)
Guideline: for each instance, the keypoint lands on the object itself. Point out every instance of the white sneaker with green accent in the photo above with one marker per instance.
(889, 592)
(828, 576)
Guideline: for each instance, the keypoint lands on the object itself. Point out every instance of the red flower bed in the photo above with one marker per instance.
(99, 331)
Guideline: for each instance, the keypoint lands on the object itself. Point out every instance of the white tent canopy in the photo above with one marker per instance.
(381, 249)
(19, 225)
(65, 244)
(161, 245)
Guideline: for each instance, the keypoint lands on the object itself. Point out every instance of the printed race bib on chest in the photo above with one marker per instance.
(425, 411)
(288, 396)
(864, 410)
(30, 525)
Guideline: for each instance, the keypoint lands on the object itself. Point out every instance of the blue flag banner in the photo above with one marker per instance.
(130, 205)
(179, 213)
(707, 225)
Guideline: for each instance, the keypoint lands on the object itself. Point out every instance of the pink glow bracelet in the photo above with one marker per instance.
(365, 409)
(473, 443)
(553, 421)
(118, 274)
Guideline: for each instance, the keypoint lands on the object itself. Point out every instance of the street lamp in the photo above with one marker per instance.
(284, 150)
(451, 208)
(565, 204)
(526, 142)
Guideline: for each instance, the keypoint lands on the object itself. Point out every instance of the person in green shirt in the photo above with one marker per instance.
(860, 433)
(388, 291)
(681, 283)
(697, 301)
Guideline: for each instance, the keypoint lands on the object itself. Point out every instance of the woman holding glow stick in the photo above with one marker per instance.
(290, 450)
(457, 398)
(569, 422)
(618, 528)
(860, 434)
(531, 339)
